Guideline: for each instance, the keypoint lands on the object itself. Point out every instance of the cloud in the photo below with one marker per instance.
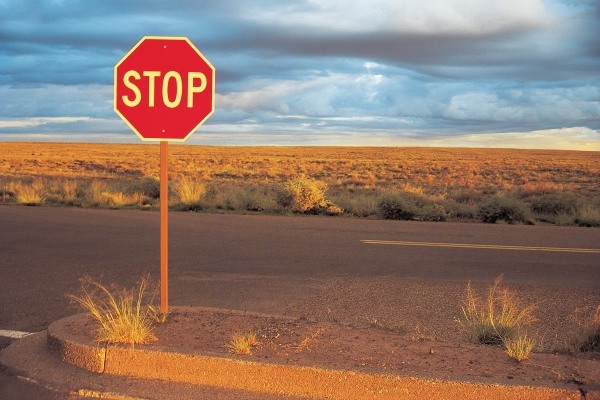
(31, 122)
(408, 16)
(318, 70)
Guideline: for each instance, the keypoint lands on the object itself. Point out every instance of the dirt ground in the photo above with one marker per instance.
(400, 327)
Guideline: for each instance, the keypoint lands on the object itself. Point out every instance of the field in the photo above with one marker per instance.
(520, 186)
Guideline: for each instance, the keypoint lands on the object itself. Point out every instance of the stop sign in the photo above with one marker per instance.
(164, 88)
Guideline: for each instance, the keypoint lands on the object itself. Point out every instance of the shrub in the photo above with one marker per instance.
(397, 206)
(305, 195)
(433, 212)
(504, 208)
(121, 314)
(460, 210)
(358, 202)
(554, 204)
(588, 215)
(498, 318)
(189, 192)
(410, 205)
(149, 187)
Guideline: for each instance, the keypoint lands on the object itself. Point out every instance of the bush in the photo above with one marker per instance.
(554, 204)
(149, 187)
(397, 206)
(410, 205)
(433, 212)
(305, 195)
(504, 208)
(588, 215)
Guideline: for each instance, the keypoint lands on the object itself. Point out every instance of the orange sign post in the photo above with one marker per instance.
(164, 227)
(164, 89)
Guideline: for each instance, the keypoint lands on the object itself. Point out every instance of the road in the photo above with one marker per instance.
(264, 263)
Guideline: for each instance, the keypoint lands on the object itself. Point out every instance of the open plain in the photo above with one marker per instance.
(404, 280)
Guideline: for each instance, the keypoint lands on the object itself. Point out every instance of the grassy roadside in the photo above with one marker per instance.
(489, 185)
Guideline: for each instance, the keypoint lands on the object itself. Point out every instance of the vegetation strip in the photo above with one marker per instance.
(483, 246)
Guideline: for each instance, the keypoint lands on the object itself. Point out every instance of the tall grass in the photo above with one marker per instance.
(189, 192)
(122, 315)
(32, 194)
(412, 198)
(497, 318)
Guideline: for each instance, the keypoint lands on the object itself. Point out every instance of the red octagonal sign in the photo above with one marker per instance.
(164, 88)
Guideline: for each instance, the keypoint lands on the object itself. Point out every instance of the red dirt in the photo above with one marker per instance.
(369, 349)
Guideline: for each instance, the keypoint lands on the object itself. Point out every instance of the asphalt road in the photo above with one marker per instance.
(263, 263)
(45, 251)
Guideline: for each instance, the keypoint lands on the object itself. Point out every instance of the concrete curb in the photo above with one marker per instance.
(289, 380)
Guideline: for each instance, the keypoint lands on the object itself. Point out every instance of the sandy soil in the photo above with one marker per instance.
(347, 328)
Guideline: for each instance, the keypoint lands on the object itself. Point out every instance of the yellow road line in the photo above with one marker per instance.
(482, 246)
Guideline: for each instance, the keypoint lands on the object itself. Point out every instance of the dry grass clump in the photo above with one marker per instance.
(242, 343)
(302, 194)
(122, 315)
(189, 192)
(32, 194)
(499, 319)
(519, 347)
(65, 192)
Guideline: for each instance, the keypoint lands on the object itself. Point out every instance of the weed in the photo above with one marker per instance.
(68, 192)
(519, 347)
(33, 194)
(242, 343)
(94, 193)
(121, 314)
(189, 193)
(119, 199)
(498, 318)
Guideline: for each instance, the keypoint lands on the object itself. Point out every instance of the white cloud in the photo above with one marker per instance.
(38, 121)
(410, 16)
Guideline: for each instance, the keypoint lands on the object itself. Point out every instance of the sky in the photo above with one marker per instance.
(465, 73)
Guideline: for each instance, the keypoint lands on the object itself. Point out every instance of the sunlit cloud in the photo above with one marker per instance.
(476, 72)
